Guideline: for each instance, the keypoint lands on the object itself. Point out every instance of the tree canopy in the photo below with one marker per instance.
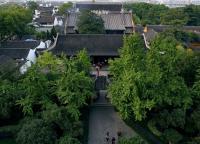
(64, 7)
(157, 85)
(14, 20)
(50, 95)
(90, 23)
(174, 16)
(134, 140)
(36, 131)
(147, 13)
(160, 14)
(32, 6)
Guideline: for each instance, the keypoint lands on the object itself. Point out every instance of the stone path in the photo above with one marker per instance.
(101, 73)
(103, 118)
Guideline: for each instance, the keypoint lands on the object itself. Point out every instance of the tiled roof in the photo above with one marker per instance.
(71, 19)
(150, 35)
(128, 21)
(45, 9)
(139, 29)
(195, 46)
(129, 30)
(96, 45)
(17, 49)
(112, 20)
(70, 30)
(7, 65)
(45, 19)
(46, 13)
(19, 44)
(15, 53)
(117, 21)
(4, 59)
(99, 6)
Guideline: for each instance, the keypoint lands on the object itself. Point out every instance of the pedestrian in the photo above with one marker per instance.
(107, 137)
(97, 70)
(113, 140)
(119, 133)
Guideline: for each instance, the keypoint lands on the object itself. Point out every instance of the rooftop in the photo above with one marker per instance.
(99, 6)
(112, 20)
(17, 49)
(96, 45)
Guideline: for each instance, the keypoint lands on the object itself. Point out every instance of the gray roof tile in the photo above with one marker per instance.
(96, 45)
(112, 20)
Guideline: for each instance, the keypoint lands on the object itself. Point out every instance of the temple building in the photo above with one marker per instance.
(114, 22)
(100, 47)
(116, 19)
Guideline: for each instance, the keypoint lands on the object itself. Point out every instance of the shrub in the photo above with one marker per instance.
(172, 136)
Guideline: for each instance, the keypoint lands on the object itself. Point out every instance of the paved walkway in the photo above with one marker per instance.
(101, 73)
(103, 118)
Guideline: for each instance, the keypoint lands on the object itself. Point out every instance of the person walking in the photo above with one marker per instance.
(97, 70)
(113, 140)
(107, 137)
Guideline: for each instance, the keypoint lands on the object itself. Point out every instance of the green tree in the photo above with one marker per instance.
(50, 94)
(90, 23)
(36, 131)
(82, 62)
(172, 136)
(64, 7)
(14, 20)
(32, 6)
(147, 13)
(195, 117)
(35, 88)
(8, 96)
(143, 82)
(175, 118)
(48, 35)
(174, 16)
(127, 73)
(193, 13)
(74, 87)
(134, 140)
(68, 140)
(53, 32)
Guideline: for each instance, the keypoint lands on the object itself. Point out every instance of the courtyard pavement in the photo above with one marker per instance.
(103, 118)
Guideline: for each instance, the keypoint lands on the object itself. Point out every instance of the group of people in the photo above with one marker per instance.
(111, 139)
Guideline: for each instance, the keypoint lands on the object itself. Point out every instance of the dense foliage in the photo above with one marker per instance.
(144, 13)
(36, 131)
(158, 86)
(50, 95)
(90, 23)
(13, 21)
(175, 16)
(147, 13)
(134, 140)
(32, 6)
(64, 8)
